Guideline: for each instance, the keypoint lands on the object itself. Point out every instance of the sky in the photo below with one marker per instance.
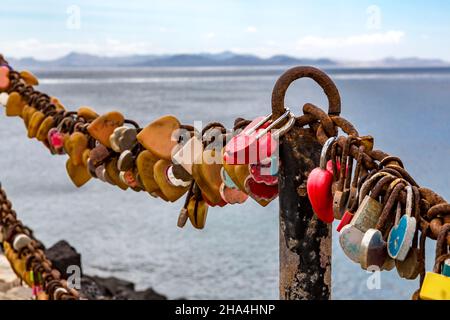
(345, 29)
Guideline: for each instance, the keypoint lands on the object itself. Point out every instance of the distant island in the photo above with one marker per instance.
(227, 58)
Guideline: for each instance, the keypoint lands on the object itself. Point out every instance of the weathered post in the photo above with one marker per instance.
(305, 242)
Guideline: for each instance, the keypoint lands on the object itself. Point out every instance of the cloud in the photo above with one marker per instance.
(372, 39)
(251, 29)
(50, 50)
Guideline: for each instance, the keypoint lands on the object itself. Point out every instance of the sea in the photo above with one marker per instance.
(134, 236)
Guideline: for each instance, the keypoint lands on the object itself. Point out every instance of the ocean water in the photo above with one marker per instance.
(133, 236)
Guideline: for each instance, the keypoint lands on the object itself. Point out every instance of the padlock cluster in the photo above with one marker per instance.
(384, 216)
(214, 167)
(27, 258)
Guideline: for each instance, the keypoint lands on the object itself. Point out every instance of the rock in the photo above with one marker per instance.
(90, 289)
(62, 255)
(111, 288)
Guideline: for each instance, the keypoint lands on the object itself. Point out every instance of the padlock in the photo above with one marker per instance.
(373, 250)
(319, 186)
(257, 142)
(123, 138)
(410, 267)
(159, 136)
(87, 113)
(197, 209)
(401, 235)
(353, 194)
(78, 174)
(351, 235)
(26, 114)
(261, 173)
(35, 122)
(145, 162)
(171, 192)
(29, 78)
(44, 128)
(15, 105)
(232, 195)
(103, 126)
(77, 143)
(206, 173)
(370, 208)
(114, 174)
(188, 153)
(342, 192)
(436, 285)
(260, 191)
(126, 161)
(20, 241)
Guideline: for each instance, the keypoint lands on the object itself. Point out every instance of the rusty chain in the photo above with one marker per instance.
(31, 257)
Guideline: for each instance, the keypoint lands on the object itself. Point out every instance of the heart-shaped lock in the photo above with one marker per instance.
(197, 211)
(55, 140)
(29, 78)
(77, 144)
(171, 192)
(206, 173)
(401, 235)
(319, 187)
(373, 252)
(15, 105)
(44, 128)
(145, 162)
(27, 113)
(102, 127)
(261, 192)
(261, 173)
(232, 195)
(188, 154)
(35, 122)
(114, 173)
(227, 180)
(78, 174)
(87, 113)
(126, 161)
(158, 136)
(4, 78)
(350, 240)
(257, 142)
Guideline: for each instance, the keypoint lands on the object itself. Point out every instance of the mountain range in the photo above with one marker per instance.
(227, 58)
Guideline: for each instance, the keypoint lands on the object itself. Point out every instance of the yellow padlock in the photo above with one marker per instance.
(435, 287)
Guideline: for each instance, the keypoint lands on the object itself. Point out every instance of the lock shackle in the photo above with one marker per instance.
(368, 184)
(321, 78)
(286, 127)
(441, 242)
(409, 200)
(325, 151)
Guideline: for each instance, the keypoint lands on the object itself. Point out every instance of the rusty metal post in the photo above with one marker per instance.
(305, 242)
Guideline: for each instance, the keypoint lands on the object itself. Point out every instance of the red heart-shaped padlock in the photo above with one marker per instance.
(246, 147)
(260, 173)
(260, 191)
(319, 193)
(319, 184)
